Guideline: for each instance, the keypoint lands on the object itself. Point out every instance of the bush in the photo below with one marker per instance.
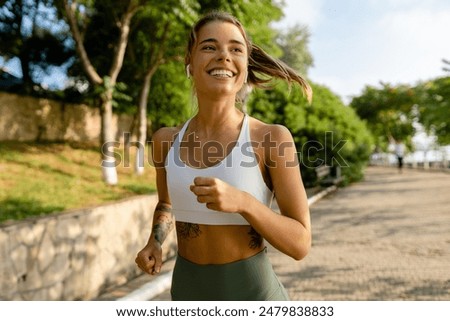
(326, 132)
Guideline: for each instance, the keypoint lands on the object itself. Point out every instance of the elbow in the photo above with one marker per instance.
(301, 254)
(302, 249)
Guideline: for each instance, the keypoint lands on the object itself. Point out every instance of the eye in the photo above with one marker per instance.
(208, 48)
(237, 50)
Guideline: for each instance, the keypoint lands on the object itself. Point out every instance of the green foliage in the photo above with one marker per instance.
(159, 33)
(32, 32)
(388, 111)
(294, 44)
(434, 108)
(120, 98)
(325, 132)
(98, 23)
(255, 16)
(170, 100)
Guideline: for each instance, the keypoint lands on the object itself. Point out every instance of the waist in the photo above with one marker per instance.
(260, 254)
(217, 244)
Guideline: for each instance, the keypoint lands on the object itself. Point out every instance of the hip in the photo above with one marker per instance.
(250, 279)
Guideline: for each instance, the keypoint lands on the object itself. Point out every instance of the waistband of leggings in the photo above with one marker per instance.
(258, 257)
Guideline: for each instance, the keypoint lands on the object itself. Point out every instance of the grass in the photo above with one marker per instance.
(38, 179)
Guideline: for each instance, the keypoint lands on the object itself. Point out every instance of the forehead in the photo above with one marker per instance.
(220, 31)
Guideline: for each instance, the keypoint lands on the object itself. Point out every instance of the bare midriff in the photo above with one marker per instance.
(218, 244)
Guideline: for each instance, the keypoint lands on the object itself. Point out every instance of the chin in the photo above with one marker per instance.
(222, 90)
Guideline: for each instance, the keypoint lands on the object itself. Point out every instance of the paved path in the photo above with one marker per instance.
(385, 238)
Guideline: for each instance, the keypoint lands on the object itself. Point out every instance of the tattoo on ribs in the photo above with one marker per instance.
(188, 230)
(255, 239)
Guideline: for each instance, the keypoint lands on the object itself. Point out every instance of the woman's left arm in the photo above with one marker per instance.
(290, 232)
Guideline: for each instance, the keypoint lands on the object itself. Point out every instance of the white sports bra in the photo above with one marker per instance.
(239, 169)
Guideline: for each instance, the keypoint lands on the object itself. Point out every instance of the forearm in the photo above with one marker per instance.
(162, 222)
(286, 234)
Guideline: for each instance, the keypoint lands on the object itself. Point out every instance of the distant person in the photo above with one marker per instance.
(221, 207)
(400, 153)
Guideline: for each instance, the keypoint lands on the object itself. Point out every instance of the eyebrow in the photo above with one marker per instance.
(216, 41)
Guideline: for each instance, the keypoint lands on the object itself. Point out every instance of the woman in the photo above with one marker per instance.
(217, 174)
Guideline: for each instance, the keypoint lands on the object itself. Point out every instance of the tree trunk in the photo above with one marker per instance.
(155, 61)
(108, 143)
(142, 129)
(109, 170)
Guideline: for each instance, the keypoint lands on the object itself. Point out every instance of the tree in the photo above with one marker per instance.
(294, 44)
(79, 15)
(434, 108)
(326, 132)
(157, 38)
(31, 31)
(389, 112)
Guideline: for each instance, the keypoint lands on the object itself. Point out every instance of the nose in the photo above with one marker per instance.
(223, 55)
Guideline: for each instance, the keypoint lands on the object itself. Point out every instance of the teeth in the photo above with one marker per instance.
(221, 73)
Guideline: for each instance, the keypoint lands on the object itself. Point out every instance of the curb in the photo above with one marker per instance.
(313, 199)
(162, 282)
(151, 289)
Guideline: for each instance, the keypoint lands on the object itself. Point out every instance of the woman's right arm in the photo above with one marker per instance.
(149, 259)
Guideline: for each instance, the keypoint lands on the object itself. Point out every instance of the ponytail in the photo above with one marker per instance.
(260, 62)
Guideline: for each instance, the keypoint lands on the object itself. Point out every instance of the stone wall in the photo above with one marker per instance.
(25, 118)
(77, 254)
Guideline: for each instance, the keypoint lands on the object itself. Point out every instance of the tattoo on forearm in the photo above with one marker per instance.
(161, 230)
(163, 222)
(163, 208)
(255, 239)
(188, 230)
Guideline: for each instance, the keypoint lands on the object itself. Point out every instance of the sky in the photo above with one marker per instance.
(356, 43)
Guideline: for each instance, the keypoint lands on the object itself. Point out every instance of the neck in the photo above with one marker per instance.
(216, 114)
(212, 111)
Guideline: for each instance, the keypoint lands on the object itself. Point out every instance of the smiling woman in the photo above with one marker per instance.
(218, 173)
(218, 63)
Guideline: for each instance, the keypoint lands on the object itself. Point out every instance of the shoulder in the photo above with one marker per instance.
(165, 134)
(274, 144)
(161, 141)
(261, 132)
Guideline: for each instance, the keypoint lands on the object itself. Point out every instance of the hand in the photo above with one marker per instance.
(217, 195)
(149, 259)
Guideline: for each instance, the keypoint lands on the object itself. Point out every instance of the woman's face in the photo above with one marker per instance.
(219, 60)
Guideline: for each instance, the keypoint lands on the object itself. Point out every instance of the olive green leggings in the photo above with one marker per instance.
(251, 279)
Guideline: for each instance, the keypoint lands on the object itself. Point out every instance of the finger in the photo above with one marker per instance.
(204, 181)
(157, 265)
(145, 264)
(200, 190)
(212, 206)
(205, 199)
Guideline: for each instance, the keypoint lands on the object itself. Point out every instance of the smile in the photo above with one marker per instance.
(223, 73)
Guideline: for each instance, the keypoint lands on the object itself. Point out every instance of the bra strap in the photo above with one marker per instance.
(180, 136)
